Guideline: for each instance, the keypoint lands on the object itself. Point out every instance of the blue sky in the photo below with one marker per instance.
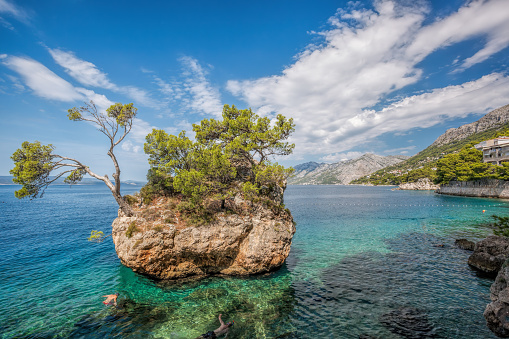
(386, 77)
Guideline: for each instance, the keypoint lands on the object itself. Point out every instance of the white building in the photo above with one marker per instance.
(494, 151)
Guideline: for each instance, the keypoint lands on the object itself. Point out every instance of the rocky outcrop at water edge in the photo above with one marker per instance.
(423, 184)
(489, 254)
(157, 243)
(497, 312)
(465, 244)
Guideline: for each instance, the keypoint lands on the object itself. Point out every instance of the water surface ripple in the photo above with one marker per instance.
(365, 261)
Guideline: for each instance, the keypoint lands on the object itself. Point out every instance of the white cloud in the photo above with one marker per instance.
(140, 130)
(89, 75)
(83, 71)
(128, 146)
(488, 18)
(204, 97)
(336, 157)
(9, 8)
(366, 56)
(41, 80)
(400, 150)
(46, 84)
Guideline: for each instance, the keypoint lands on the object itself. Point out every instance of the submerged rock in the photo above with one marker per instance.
(251, 242)
(408, 322)
(489, 254)
(465, 244)
(497, 312)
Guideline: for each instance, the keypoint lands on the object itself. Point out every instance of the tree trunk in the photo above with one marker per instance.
(124, 206)
(222, 204)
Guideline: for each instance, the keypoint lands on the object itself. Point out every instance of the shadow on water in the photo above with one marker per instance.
(422, 289)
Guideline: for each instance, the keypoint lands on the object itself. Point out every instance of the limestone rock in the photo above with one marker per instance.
(422, 184)
(343, 172)
(233, 244)
(489, 254)
(465, 244)
(493, 119)
(497, 312)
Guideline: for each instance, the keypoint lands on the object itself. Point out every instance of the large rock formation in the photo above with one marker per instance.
(489, 254)
(493, 119)
(158, 243)
(423, 184)
(497, 312)
(342, 172)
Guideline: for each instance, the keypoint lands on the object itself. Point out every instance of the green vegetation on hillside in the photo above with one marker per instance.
(229, 156)
(424, 163)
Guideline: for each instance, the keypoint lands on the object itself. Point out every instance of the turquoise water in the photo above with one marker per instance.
(359, 253)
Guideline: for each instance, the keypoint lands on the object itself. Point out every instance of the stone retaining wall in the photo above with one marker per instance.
(491, 188)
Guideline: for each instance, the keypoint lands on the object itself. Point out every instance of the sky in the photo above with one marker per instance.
(385, 77)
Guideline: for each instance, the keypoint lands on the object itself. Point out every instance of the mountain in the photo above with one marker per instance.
(493, 124)
(343, 172)
(492, 120)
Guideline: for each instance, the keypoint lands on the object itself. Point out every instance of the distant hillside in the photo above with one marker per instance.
(493, 124)
(7, 180)
(343, 172)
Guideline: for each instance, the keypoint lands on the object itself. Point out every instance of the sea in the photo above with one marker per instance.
(365, 262)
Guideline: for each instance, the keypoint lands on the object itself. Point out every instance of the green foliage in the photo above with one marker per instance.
(464, 166)
(33, 163)
(96, 236)
(75, 176)
(159, 184)
(131, 229)
(122, 113)
(427, 158)
(500, 225)
(228, 156)
(130, 200)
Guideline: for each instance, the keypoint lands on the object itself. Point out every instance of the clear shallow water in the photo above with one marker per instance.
(359, 253)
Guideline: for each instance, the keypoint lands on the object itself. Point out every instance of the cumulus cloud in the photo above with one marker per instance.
(366, 56)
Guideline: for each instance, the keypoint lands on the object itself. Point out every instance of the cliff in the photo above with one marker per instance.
(342, 172)
(244, 239)
(493, 119)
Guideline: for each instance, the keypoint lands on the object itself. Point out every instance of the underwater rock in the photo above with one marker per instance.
(465, 244)
(497, 312)
(408, 322)
(489, 254)
(254, 241)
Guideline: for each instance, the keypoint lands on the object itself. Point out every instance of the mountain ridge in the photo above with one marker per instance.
(342, 172)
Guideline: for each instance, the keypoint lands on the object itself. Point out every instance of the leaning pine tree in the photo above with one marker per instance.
(36, 166)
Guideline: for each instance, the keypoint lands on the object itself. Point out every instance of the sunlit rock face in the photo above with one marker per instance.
(497, 312)
(158, 243)
(489, 254)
